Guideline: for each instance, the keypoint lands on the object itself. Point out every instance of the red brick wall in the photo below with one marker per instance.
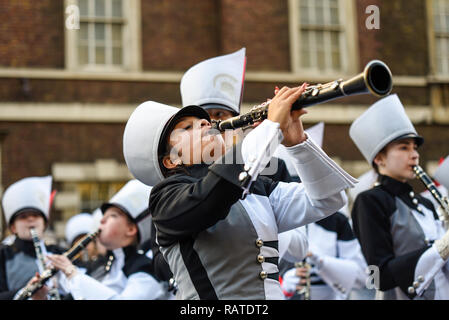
(89, 91)
(29, 149)
(261, 27)
(401, 41)
(32, 33)
(178, 33)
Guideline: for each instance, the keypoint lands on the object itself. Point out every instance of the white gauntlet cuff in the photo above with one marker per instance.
(442, 246)
(320, 175)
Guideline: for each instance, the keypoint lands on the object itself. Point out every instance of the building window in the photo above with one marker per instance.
(100, 37)
(94, 194)
(441, 36)
(105, 26)
(323, 35)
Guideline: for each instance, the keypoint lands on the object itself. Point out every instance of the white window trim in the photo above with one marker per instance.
(132, 60)
(349, 53)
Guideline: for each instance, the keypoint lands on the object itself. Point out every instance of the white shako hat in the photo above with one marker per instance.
(97, 215)
(216, 82)
(383, 122)
(133, 199)
(79, 224)
(145, 137)
(32, 193)
(442, 173)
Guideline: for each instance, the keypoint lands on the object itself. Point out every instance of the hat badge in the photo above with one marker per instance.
(225, 83)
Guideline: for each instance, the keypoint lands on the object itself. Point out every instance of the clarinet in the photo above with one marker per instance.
(305, 291)
(53, 293)
(27, 291)
(443, 210)
(38, 249)
(376, 79)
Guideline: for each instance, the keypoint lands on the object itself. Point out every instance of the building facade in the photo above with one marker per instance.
(72, 71)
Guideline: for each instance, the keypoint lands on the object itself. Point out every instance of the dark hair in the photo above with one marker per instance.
(170, 172)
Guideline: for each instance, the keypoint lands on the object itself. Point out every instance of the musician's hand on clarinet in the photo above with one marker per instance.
(63, 263)
(40, 294)
(302, 273)
(280, 111)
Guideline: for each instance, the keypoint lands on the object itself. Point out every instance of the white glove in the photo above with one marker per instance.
(289, 281)
(442, 246)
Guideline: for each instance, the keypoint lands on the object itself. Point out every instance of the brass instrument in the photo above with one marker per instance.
(53, 292)
(443, 210)
(305, 291)
(27, 291)
(376, 79)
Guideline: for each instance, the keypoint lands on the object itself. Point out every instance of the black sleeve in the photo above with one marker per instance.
(161, 267)
(8, 295)
(282, 173)
(371, 220)
(183, 206)
(139, 263)
(5, 293)
(344, 230)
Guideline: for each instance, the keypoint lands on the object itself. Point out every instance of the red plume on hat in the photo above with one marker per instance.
(52, 197)
(439, 163)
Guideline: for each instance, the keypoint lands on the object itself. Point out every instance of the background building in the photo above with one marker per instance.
(71, 73)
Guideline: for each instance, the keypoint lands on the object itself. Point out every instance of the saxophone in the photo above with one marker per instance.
(53, 292)
(443, 209)
(27, 291)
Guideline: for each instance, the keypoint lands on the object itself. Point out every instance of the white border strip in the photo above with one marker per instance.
(175, 77)
(119, 113)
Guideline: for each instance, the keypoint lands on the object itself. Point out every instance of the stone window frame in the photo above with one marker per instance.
(349, 54)
(72, 177)
(432, 36)
(131, 42)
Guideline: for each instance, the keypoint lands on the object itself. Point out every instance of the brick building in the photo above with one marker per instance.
(72, 71)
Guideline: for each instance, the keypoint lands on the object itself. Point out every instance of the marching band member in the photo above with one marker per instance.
(337, 263)
(124, 225)
(90, 260)
(216, 85)
(94, 258)
(338, 266)
(399, 231)
(26, 204)
(76, 227)
(218, 245)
